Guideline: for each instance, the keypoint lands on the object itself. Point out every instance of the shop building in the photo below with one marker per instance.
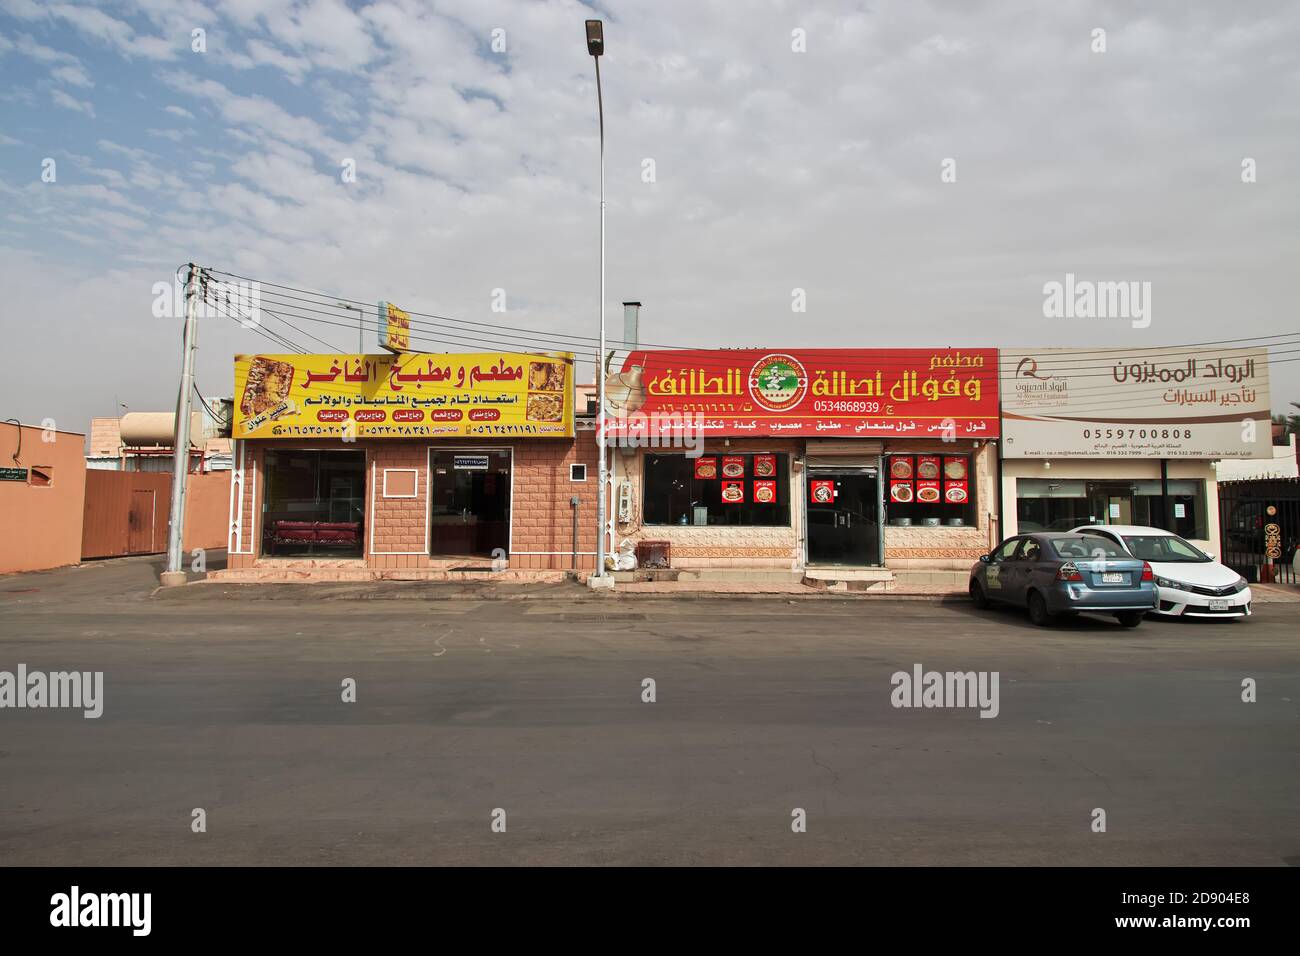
(835, 460)
(404, 465)
(1128, 436)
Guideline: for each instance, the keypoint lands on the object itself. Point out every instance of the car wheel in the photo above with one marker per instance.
(977, 596)
(1131, 618)
(1038, 612)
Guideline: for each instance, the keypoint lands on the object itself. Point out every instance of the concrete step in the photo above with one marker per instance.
(741, 575)
(828, 573)
(957, 580)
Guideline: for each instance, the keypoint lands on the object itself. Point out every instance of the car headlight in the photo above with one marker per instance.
(1242, 584)
(1176, 585)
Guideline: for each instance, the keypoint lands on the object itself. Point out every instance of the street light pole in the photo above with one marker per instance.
(174, 575)
(596, 47)
(361, 324)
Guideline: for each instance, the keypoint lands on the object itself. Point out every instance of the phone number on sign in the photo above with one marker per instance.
(1137, 433)
(846, 407)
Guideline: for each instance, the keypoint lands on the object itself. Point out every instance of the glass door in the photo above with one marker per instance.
(470, 507)
(843, 518)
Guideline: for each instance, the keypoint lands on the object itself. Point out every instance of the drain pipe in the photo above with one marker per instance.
(573, 503)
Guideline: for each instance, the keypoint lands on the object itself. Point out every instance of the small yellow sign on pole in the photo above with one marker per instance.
(394, 328)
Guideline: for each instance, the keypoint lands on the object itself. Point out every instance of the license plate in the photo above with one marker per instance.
(1114, 577)
(1219, 605)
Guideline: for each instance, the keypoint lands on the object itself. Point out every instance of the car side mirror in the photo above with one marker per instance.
(1211, 555)
(985, 559)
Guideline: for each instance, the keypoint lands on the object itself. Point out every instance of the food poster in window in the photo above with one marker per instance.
(928, 466)
(900, 491)
(821, 491)
(733, 492)
(733, 466)
(928, 492)
(956, 492)
(956, 468)
(765, 492)
(765, 466)
(900, 467)
(706, 469)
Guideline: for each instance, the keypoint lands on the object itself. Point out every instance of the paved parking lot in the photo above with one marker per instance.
(531, 702)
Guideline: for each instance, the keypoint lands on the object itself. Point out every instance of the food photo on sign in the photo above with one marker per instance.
(765, 492)
(733, 492)
(821, 491)
(706, 469)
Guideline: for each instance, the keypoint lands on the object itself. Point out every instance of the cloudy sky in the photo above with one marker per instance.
(795, 145)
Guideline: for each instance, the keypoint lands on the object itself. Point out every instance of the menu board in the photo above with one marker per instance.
(733, 492)
(706, 469)
(929, 479)
(733, 466)
(900, 491)
(765, 492)
(765, 466)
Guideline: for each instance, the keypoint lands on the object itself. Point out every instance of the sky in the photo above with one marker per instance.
(916, 170)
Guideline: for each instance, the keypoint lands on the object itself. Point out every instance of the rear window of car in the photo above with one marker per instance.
(1089, 547)
(1164, 547)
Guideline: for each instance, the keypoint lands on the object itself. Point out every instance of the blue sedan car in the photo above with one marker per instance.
(1058, 575)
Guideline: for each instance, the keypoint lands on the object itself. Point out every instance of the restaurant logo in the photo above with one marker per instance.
(1035, 389)
(778, 382)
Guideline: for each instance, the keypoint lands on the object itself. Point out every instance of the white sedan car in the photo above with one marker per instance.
(1190, 582)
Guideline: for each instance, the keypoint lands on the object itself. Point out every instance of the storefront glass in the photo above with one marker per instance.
(314, 503)
(717, 489)
(470, 506)
(1046, 504)
(843, 527)
(930, 491)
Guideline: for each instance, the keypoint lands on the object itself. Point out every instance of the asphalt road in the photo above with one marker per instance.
(231, 702)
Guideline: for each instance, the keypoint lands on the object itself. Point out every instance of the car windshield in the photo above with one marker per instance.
(1164, 547)
(1089, 547)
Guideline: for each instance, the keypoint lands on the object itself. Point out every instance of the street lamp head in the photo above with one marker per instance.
(595, 37)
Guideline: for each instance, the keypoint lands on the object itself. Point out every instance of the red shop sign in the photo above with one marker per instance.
(821, 491)
(824, 393)
(765, 492)
(706, 469)
(733, 492)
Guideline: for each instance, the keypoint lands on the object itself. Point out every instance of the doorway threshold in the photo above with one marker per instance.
(840, 572)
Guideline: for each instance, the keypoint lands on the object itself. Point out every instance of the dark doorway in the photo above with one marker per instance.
(470, 508)
(843, 518)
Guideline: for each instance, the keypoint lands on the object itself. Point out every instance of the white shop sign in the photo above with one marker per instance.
(1180, 402)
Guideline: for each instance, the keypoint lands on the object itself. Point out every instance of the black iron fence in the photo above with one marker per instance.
(1259, 528)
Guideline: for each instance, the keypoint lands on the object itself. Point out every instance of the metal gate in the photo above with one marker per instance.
(1259, 528)
(140, 522)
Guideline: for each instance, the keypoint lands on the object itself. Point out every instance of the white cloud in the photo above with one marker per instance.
(69, 102)
(72, 75)
(179, 111)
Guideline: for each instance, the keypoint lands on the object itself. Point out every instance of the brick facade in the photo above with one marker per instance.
(783, 547)
(397, 528)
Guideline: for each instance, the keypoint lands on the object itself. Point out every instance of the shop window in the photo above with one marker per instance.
(930, 491)
(1045, 504)
(41, 476)
(742, 490)
(314, 503)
